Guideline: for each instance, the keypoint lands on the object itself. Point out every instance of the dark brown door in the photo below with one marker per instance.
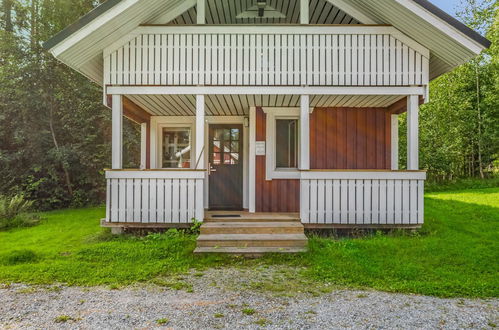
(226, 162)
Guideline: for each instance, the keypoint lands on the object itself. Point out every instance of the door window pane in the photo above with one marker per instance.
(176, 148)
(225, 146)
(286, 143)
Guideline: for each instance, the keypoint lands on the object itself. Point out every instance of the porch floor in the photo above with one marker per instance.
(251, 234)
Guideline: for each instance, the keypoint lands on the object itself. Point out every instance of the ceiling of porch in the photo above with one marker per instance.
(238, 105)
(225, 12)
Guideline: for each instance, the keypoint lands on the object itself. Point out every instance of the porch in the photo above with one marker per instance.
(343, 173)
(299, 119)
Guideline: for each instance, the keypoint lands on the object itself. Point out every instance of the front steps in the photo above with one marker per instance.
(252, 235)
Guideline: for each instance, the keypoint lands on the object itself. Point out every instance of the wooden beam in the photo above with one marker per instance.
(200, 10)
(131, 110)
(266, 90)
(304, 12)
(400, 106)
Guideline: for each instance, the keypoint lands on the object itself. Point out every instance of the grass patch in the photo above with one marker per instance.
(455, 254)
(162, 321)
(248, 311)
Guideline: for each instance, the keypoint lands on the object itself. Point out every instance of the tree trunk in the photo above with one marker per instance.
(56, 144)
(7, 12)
(480, 165)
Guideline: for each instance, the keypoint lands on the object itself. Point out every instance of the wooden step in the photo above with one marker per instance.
(244, 219)
(283, 227)
(252, 240)
(249, 251)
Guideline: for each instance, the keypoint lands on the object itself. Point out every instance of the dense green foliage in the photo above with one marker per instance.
(14, 212)
(55, 132)
(455, 254)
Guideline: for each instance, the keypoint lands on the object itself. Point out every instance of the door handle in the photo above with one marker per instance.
(211, 169)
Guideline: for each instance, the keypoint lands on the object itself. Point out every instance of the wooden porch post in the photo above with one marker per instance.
(117, 132)
(252, 161)
(304, 15)
(413, 132)
(395, 142)
(199, 154)
(305, 132)
(143, 146)
(199, 160)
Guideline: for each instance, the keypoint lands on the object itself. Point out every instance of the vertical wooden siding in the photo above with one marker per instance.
(275, 195)
(350, 138)
(340, 138)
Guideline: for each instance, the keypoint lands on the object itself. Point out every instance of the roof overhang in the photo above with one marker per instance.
(450, 42)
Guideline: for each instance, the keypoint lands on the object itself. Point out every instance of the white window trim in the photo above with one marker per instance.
(157, 125)
(271, 172)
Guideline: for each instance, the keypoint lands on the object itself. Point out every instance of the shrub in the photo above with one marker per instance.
(14, 212)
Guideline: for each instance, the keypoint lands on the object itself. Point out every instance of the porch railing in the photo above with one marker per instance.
(362, 197)
(267, 56)
(157, 196)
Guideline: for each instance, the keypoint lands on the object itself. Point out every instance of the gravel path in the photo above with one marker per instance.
(219, 299)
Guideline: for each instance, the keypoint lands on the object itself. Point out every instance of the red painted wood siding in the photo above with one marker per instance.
(350, 138)
(275, 195)
(340, 138)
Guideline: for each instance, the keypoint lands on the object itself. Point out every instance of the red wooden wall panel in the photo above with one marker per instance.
(350, 138)
(275, 195)
(340, 138)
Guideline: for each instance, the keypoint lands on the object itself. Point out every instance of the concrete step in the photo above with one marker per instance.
(252, 240)
(249, 251)
(282, 227)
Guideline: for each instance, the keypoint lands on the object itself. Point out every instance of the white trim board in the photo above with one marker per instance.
(264, 90)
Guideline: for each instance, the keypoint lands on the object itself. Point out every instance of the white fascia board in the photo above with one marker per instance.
(350, 10)
(92, 27)
(264, 90)
(446, 28)
(168, 16)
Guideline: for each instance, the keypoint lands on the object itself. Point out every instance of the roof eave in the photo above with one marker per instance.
(80, 23)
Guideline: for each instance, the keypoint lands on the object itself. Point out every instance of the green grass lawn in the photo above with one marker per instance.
(455, 254)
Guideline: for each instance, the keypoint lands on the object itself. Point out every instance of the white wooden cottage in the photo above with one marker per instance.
(263, 111)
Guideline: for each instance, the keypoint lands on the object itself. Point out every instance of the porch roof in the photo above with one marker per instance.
(238, 105)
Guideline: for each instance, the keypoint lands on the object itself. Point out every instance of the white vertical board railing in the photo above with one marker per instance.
(362, 198)
(154, 196)
(272, 58)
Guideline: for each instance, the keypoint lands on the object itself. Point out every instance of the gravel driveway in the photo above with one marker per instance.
(219, 299)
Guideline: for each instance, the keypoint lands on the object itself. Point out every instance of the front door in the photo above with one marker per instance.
(226, 167)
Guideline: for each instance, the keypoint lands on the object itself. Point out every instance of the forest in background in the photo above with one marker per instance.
(55, 133)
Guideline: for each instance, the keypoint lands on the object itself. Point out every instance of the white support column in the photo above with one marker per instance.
(304, 15)
(117, 133)
(395, 142)
(143, 145)
(252, 160)
(199, 160)
(305, 132)
(200, 9)
(413, 132)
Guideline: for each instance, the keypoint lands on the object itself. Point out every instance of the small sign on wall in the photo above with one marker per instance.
(260, 148)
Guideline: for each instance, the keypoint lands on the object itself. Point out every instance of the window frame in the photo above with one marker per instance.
(157, 125)
(175, 128)
(272, 171)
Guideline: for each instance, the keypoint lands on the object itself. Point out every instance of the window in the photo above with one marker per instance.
(176, 148)
(286, 142)
(226, 146)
